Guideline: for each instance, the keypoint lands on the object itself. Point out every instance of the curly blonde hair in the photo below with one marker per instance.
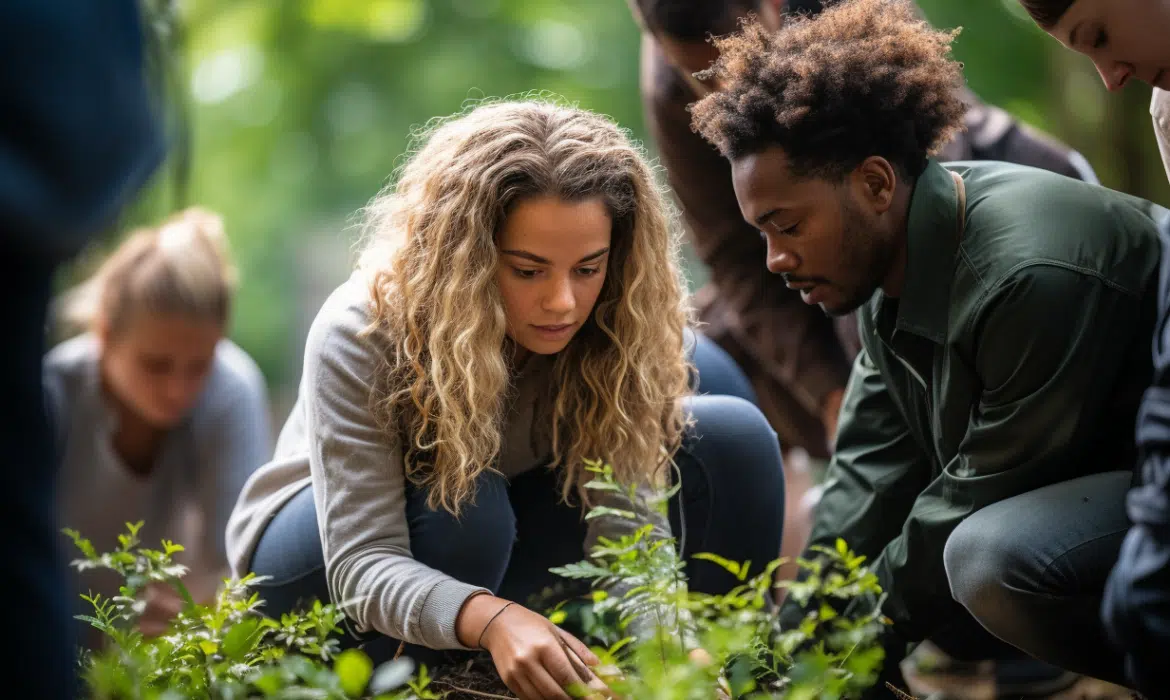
(431, 259)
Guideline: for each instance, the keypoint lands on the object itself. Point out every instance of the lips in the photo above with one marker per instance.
(554, 328)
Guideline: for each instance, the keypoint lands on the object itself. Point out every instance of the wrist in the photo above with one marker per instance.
(474, 615)
(484, 638)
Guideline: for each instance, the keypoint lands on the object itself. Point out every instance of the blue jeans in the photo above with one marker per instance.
(717, 372)
(731, 503)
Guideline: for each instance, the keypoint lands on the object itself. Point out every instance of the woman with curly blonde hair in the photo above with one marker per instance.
(518, 309)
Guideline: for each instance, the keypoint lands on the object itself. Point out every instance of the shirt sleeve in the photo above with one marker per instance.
(877, 471)
(1047, 367)
(794, 342)
(359, 486)
(613, 527)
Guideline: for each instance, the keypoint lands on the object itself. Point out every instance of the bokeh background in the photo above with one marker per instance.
(289, 115)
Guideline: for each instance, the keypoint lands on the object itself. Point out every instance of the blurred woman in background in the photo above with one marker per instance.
(158, 417)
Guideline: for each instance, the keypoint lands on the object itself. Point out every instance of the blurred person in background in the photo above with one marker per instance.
(986, 439)
(796, 358)
(519, 308)
(158, 417)
(1130, 40)
(78, 137)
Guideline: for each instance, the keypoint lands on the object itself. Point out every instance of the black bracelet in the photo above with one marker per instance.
(479, 642)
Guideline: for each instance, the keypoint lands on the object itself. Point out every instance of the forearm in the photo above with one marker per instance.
(382, 590)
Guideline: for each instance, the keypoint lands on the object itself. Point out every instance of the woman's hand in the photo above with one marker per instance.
(536, 659)
(163, 603)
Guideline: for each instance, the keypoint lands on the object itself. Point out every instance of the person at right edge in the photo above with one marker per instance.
(78, 137)
(985, 444)
(1127, 41)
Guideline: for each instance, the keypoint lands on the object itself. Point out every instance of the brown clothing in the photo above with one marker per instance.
(793, 354)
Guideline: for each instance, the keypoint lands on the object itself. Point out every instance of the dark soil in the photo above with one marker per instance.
(474, 679)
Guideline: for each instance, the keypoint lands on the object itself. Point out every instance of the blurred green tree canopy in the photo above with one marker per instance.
(299, 111)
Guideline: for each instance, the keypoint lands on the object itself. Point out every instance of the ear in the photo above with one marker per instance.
(877, 181)
(101, 331)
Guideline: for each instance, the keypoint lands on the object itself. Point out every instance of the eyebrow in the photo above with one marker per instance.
(544, 261)
(762, 219)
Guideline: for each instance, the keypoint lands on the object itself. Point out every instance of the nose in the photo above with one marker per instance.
(559, 298)
(181, 389)
(1115, 74)
(780, 260)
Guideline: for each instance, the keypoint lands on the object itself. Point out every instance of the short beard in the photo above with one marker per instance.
(867, 253)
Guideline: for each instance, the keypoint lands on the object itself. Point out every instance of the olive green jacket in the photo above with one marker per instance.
(1015, 358)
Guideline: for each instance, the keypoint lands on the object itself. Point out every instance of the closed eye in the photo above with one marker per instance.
(525, 274)
(788, 231)
(588, 271)
(1100, 40)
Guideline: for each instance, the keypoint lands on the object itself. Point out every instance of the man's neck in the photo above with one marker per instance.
(899, 217)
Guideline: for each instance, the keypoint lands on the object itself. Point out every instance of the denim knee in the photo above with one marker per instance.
(717, 372)
(732, 493)
(733, 435)
(474, 547)
(978, 558)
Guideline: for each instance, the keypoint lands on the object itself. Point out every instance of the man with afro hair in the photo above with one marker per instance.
(797, 361)
(1005, 314)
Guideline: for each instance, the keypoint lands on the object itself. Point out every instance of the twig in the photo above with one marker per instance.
(901, 695)
(477, 693)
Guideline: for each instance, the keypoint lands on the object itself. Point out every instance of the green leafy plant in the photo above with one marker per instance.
(225, 650)
(648, 624)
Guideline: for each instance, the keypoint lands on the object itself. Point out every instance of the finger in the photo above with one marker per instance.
(583, 652)
(550, 683)
(700, 657)
(151, 627)
(169, 606)
(523, 688)
(590, 678)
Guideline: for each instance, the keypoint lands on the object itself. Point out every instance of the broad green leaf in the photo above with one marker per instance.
(353, 669)
(241, 638)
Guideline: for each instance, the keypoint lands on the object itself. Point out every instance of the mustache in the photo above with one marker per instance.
(796, 279)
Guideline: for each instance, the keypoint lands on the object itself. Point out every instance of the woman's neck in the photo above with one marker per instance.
(518, 354)
(136, 442)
